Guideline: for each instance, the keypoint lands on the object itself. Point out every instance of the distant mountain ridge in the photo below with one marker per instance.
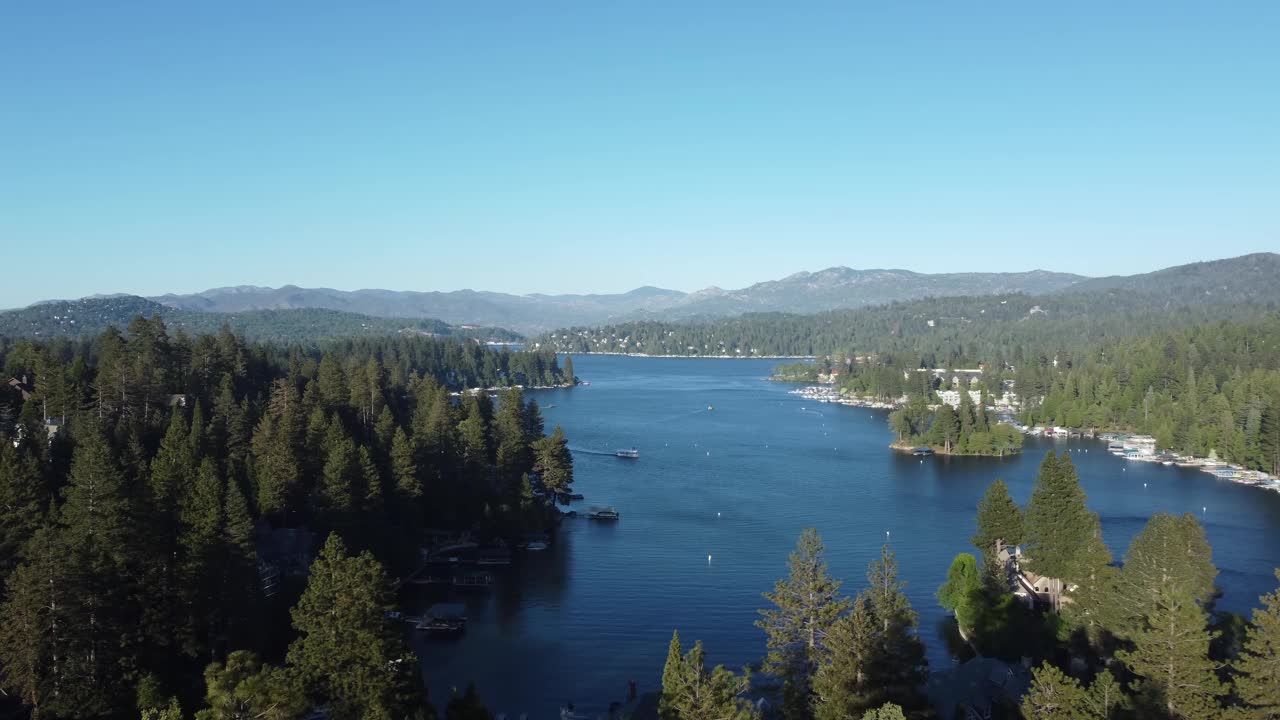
(1238, 279)
(830, 289)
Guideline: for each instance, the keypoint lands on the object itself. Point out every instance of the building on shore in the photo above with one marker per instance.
(1027, 586)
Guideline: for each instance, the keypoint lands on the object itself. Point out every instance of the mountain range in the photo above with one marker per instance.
(1249, 278)
(835, 288)
(830, 289)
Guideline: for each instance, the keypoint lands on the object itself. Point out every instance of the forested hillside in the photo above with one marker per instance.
(91, 316)
(159, 491)
(953, 331)
(1211, 386)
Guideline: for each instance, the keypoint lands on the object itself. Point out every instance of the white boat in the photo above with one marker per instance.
(535, 545)
(630, 454)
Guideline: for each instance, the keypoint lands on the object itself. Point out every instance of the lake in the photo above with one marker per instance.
(713, 506)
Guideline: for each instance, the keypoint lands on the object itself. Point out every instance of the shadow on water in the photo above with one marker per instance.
(947, 634)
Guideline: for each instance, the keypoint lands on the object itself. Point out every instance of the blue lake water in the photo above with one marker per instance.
(715, 503)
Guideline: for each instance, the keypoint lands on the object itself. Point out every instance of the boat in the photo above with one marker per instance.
(630, 454)
(709, 408)
(535, 545)
(444, 618)
(922, 451)
(600, 512)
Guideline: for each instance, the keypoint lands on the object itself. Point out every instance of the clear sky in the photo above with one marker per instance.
(598, 146)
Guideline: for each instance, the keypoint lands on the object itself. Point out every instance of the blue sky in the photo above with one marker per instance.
(556, 147)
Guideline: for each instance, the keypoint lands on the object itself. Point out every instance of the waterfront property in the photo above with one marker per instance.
(1032, 589)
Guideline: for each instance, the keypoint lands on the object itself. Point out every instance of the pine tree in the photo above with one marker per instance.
(889, 711)
(691, 692)
(512, 447)
(1059, 528)
(947, 427)
(1170, 652)
(384, 429)
(999, 518)
(900, 667)
(1171, 553)
(1054, 696)
(341, 480)
(805, 606)
(240, 583)
(171, 474)
(1269, 438)
(99, 553)
(1105, 697)
(230, 431)
(553, 461)
(276, 458)
(842, 683)
(32, 620)
(332, 382)
(673, 674)
(23, 500)
(347, 652)
(569, 377)
(244, 687)
(1258, 680)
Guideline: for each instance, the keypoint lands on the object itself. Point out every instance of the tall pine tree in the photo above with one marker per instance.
(1258, 680)
(805, 605)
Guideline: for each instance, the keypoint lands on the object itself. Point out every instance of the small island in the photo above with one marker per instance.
(967, 429)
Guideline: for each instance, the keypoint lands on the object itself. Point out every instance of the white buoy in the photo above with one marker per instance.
(1204, 509)
(708, 558)
(717, 514)
(1144, 484)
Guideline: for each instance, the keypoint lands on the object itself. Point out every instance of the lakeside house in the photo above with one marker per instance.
(21, 387)
(1032, 589)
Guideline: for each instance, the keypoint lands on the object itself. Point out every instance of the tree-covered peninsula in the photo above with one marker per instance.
(966, 430)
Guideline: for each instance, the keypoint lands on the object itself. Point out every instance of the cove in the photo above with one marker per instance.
(737, 483)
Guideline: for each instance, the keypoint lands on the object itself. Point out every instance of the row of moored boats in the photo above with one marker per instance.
(1142, 448)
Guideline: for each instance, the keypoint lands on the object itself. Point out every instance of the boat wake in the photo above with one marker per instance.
(585, 451)
(680, 416)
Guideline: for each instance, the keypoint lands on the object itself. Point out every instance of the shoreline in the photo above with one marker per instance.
(698, 357)
(937, 450)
